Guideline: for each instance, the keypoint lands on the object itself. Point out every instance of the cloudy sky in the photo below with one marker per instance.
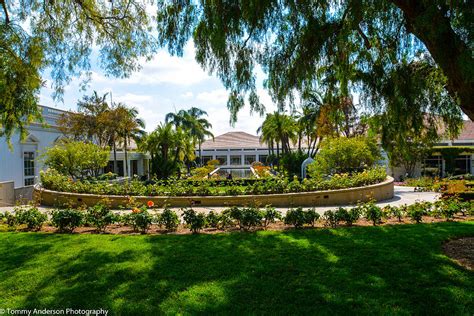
(165, 84)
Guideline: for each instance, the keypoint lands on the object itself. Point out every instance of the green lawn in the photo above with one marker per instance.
(376, 270)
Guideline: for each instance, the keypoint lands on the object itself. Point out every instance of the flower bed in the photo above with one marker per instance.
(52, 180)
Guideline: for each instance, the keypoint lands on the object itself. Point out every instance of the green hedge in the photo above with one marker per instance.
(53, 180)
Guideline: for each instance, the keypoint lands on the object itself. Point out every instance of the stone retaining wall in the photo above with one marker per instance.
(379, 192)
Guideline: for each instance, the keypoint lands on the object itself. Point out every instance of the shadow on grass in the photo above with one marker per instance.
(382, 270)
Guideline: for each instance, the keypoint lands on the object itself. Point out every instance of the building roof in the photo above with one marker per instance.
(467, 132)
(234, 140)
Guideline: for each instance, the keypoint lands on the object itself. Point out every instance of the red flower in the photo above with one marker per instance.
(150, 204)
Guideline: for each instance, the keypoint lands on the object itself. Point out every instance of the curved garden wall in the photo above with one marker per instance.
(379, 192)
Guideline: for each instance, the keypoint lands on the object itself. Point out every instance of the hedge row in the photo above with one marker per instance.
(245, 218)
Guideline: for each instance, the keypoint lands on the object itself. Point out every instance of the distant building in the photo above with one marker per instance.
(22, 163)
(436, 165)
(234, 150)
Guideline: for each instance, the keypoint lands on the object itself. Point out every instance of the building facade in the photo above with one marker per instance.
(234, 150)
(22, 161)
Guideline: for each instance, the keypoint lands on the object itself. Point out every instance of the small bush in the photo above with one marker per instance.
(270, 215)
(416, 212)
(234, 213)
(99, 216)
(311, 217)
(330, 219)
(349, 216)
(399, 212)
(140, 219)
(213, 219)
(169, 219)
(295, 217)
(195, 221)
(251, 217)
(11, 219)
(67, 220)
(225, 219)
(372, 213)
(31, 217)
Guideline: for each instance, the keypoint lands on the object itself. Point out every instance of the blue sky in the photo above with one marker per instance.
(165, 84)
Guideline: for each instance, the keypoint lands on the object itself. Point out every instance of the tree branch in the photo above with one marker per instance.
(4, 6)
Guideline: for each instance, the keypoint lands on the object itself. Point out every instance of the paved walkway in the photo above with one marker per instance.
(403, 195)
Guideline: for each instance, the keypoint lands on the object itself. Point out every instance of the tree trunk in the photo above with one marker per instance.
(430, 24)
(200, 154)
(127, 173)
(115, 159)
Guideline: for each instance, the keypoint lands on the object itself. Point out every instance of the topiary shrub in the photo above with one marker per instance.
(67, 220)
(195, 221)
(100, 216)
(295, 217)
(31, 217)
(169, 219)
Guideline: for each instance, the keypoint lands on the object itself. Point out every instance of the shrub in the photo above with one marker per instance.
(76, 158)
(416, 212)
(270, 215)
(399, 212)
(449, 207)
(344, 155)
(212, 219)
(31, 217)
(140, 219)
(195, 221)
(250, 217)
(67, 220)
(330, 219)
(169, 219)
(349, 216)
(372, 213)
(99, 216)
(295, 217)
(234, 213)
(311, 216)
(11, 220)
(225, 219)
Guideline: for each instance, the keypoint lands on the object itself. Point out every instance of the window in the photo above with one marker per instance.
(235, 160)
(134, 167)
(29, 167)
(263, 158)
(462, 165)
(432, 166)
(249, 159)
(222, 160)
(206, 159)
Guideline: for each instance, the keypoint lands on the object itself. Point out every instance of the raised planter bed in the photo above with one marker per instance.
(379, 192)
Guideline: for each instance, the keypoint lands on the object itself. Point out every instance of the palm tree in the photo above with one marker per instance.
(194, 123)
(281, 129)
(129, 127)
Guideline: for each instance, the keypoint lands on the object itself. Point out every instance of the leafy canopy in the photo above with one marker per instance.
(58, 36)
(338, 47)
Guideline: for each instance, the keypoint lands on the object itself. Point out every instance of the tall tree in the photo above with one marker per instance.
(130, 127)
(346, 45)
(192, 120)
(40, 35)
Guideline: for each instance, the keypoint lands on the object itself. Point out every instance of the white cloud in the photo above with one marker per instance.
(187, 95)
(214, 97)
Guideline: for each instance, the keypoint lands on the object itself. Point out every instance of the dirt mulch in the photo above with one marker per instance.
(462, 251)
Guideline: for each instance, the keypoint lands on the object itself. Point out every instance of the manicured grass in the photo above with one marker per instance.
(358, 270)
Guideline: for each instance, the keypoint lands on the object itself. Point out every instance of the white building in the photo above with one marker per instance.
(234, 150)
(22, 162)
